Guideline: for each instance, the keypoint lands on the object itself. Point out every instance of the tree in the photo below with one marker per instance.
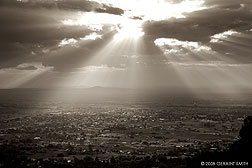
(246, 130)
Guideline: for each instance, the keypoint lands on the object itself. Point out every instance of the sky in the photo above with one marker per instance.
(148, 44)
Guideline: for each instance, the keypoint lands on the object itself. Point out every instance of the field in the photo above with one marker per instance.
(77, 125)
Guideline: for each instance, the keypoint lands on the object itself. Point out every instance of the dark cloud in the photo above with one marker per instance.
(73, 5)
(230, 4)
(237, 46)
(81, 5)
(29, 35)
(33, 26)
(69, 58)
(27, 68)
(24, 31)
(13, 54)
(30, 28)
(30, 31)
(110, 10)
(137, 17)
(199, 26)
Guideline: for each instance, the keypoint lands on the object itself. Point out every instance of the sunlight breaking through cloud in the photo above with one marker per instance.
(170, 45)
(218, 37)
(97, 37)
(129, 29)
(156, 9)
(70, 42)
(92, 36)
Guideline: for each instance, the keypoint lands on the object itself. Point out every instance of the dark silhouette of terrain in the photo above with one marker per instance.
(239, 151)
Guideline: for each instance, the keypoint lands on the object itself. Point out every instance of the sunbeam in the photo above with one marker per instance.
(125, 83)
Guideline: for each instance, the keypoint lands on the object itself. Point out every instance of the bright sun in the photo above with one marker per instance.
(129, 30)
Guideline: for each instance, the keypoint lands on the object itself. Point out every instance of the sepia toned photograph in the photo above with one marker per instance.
(125, 83)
